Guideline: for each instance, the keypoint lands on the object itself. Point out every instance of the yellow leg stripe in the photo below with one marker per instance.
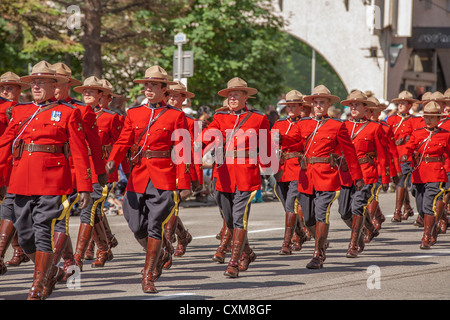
(65, 211)
(327, 217)
(372, 195)
(103, 203)
(253, 194)
(377, 192)
(97, 202)
(174, 209)
(296, 206)
(436, 197)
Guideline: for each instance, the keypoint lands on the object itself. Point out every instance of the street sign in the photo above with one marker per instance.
(180, 38)
(187, 64)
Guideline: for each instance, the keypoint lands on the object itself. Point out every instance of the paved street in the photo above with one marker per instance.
(391, 267)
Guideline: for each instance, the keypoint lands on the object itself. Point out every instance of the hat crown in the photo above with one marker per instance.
(357, 95)
(236, 82)
(9, 76)
(447, 93)
(374, 100)
(405, 95)
(179, 86)
(432, 107)
(43, 67)
(92, 81)
(105, 83)
(156, 72)
(62, 69)
(426, 96)
(321, 90)
(437, 96)
(294, 95)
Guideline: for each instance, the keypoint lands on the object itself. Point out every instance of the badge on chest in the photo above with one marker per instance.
(56, 116)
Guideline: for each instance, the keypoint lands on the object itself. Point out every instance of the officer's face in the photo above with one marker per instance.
(373, 114)
(92, 96)
(176, 99)
(404, 106)
(62, 90)
(10, 91)
(294, 109)
(447, 107)
(431, 121)
(105, 100)
(357, 110)
(42, 89)
(321, 106)
(237, 99)
(154, 91)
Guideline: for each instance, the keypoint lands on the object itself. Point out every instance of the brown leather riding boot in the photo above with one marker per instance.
(90, 251)
(419, 221)
(371, 231)
(84, 236)
(428, 223)
(237, 244)
(56, 273)
(164, 257)
(357, 223)
(372, 209)
(68, 259)
(399, 199)
(153, 252)
(443, 221)
(221, 232)
(7, 232)
(221, 251)
(112, 240)
(435, 230)
(301, 220)
(42, 266)
(19, 256)
(290, 222)
(247, 256)
(169, 234)
(319, 248)
(407, 209)
(184, 238)
(101, 241)
(299, 237)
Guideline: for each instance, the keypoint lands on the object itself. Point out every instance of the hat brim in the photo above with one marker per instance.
(142, 81)
(187, 94)
(250, 91)
(397, 100)
(368, 103)
(80, 89)
(433, 114)
(59, 79)
(292, 102)
(333, 99)
(23, 85)
(74, 82)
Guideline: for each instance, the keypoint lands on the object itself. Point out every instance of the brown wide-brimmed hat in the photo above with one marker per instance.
(93, 82)
(180, 88)
(44, 70)
(63, 70)
(437, 96)
(432, 109)
(447, 94)
(321, 92)
(405, 96)
(105, 83)
(293, 97)
(358, 96)
(377, 104)
(12, 78)
(237, 84)
(155, 74)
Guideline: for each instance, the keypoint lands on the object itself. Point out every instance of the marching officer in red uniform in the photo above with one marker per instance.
(151, 197)
(403, 124)
(177, 94)
(237, 134)
(286, 188)
(394, 160)
(319, 181)
(40, 134)
(10, 89)
(428, 147)
(367, 137)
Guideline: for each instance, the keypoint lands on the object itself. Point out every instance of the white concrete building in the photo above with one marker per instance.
(380, 45)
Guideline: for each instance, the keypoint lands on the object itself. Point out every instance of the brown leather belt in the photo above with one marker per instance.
(43, 148)
(241, 154)
(290, 155)
(313, 160)
(433, 159)
(155, 154)
(368, 158)
(401, 141)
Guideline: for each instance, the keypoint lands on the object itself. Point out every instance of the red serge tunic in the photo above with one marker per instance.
(161, 171)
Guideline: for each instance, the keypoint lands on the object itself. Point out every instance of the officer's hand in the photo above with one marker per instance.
(385, 187)
(110, 166)
(103, 179)
(278, 175)
(3, 191)
(359, 184)
(184, 194)
(85, 199)
(403, 158)
(196, 186)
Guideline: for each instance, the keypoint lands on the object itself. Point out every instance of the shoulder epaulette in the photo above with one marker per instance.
(189, 116)
(66, 104)
(416, 129)
(108, 111)
(384, 124)
(81, 103)
(284, 119)
(4, 99)
(305, 118)
(223, 112)
(140, 105)
(257, 112)
(23, 103)
(338, 119)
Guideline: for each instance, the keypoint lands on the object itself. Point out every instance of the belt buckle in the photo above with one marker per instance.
(30, 147)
